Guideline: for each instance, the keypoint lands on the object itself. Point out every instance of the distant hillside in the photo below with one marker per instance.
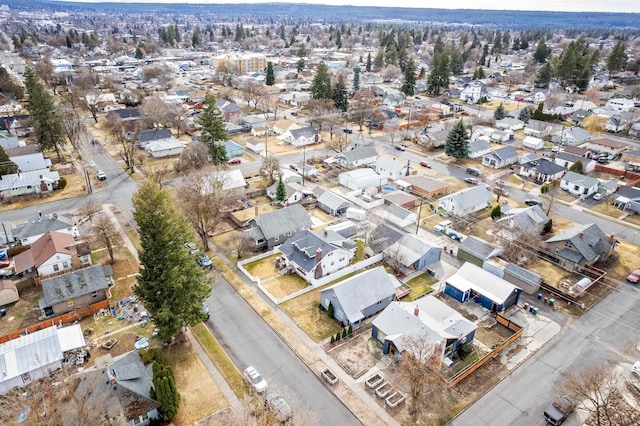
(503, 19)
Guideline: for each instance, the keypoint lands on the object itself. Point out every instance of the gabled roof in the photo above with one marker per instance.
(580, 179)
(545, 167)
(126, 113)
(40, 225)
(609, 143)
(73, 285)
(30, 178)
(227, 107)
(358, 154)
(408, 250)
(332, 201)
(279, 222)
(304, 132)
(588, 240)
(383, 236)
(479, 145)
(389, 164)
(522, 274)
(302, 248)
(480, 248)
(471, 197)
(575, 133)
(576, 150)
(472, 277)
(363, 290)
(29, 162)
(572, 158)
(45, 247)
(146, 136)
(425, 183)
(504, 153)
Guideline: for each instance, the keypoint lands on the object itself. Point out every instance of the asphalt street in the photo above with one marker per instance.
(248, 340)
(606, 334)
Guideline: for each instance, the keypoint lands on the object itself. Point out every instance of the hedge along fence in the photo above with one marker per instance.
(66, 318)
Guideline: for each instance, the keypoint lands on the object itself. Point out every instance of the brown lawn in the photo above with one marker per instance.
(304, 310)
(25, 311)
(199, 394)
(285, 285)
(263, 268)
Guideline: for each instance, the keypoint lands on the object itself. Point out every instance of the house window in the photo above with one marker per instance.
(26, 378)
(94, 295)
(65, 265)
(276, 238)
(567, 244)
(56, 268)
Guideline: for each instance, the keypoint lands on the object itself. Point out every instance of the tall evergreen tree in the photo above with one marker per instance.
(542, 51)
(369, 63)
(281, 191)
(457, 143)
(409, 83)
(165, 391)
(213, 133)
(321, 85)
(499, 113)
(300, 65)
(617, 59)
(356, 79)
(7, 166)
(440, 71)
(171, 284)
(525, 115)
(271, 78)
(543, 78)
(340, 96)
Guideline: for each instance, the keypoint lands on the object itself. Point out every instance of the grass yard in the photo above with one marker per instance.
(285, 285)
(420, 285)
(199, 393)
(263, 268)
(220, 359)
(304, 310)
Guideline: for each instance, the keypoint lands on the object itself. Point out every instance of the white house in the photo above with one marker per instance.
(49, 254)
(500, 158)
(392, 169)
(467, 201)
(361, 179)
(165, 148)
(509, 123)
(472, 92)
(531, 142)
(364, 156)
(567, 160)
(33, 182)
(579, 185)
(29, 230)
(621, 104)
(302, 137)
(36, 355)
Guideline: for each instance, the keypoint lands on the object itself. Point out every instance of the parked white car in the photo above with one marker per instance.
(254, 379)
(597, 196)
(443, 226)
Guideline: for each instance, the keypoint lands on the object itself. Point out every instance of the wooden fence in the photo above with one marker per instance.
(496, 350)
(66, 318)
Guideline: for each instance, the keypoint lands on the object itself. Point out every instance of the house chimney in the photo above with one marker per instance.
(319, 254)
(327, 233)
(255, 210)
(55, 215)
(611, 239)
(416, 311)
(581, 235)
(39, 213)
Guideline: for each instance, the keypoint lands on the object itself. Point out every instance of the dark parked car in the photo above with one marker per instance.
(349, 131)
(532, 202)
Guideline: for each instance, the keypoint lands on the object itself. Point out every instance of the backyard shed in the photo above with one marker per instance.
(8, 292)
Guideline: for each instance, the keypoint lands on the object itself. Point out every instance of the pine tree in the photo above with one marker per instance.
(300, 65)
(499, 113)
(439, 77)
(7, 166)
(356, 79)
(170, 284)
(525, 115)
(617, 59)
(543, 78)
(368, 66)
(165, 391)
(340, 97)
(457, 143)
(281, 191)
(212, 130)
(409, 83)
(542, 51)
(330, 310)
(321, 85)
(271, 79)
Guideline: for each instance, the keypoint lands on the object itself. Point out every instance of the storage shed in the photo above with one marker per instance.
(8, 292)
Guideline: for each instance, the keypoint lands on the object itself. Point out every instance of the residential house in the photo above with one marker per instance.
(30, 162)
(509, 123)
(539, 129)
(542, 170)
(281, 126)
(230, 110)
(471, 282)
(275, 227)
(72, 290)
(615, 123)
(401, 198)
(473, 91)
(117, 388)
(579, 185)
(49, 254)
(573, 136)
(294, 192)
(577, 118)
(577, 150)
(396, 215)
(467, 201)
(302, 137)
(231, 182)
(8, 292)
(567, 160)
(392, 169)
(358, 157)
(533, 143)
(621, 104)
(478, 148)
(16, 124)
(9, 141)
(165, 148)
(29, 230)
(422, 186)
(33, 182)
(332, 204)
(628, 199)
(634, 130)
(36, 355)
(426, 318)
(477, 251)
(361, 178)
(361, 296)
(316, 254)
(518, 221)
(607, 146)
(411, 253)
(145, 137)
(255, 121)
(500, 158)
(381, 237)
(580, 246)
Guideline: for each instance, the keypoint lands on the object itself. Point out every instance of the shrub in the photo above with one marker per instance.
(330, 310)
(333, 339)
(337, 336)
(350, 331)
(62, 182)
(547, 227)
(153, 354)
(496, 212)
(344, 333)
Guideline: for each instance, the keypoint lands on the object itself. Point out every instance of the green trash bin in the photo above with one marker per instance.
(552, 302)
(535, 311)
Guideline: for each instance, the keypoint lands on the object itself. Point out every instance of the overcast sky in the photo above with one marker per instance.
(558, 5)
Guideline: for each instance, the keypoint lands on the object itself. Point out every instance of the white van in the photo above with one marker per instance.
(443, 226)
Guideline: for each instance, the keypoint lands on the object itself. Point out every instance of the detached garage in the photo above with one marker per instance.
(474, 283)
(8, 292)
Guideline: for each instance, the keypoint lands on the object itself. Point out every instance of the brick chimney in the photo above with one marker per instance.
(255, 210)
(581, 235)
(416, 311)
(611, 239)
(319, 254)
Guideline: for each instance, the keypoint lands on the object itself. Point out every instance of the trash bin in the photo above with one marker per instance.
(526, 306)
(552, 302)
(535, 311)
(539, 296)
(3, 312)
(531, 308)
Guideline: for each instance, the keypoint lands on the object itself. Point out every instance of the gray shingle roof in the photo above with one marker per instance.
(279, 222)
(359, 153)
(523, 274)
(546, 167)
(504, 153)
(153, 135)
(73, 284)
(383, 236)
(332, 201)
(479, 248)
(305, 132)
(40, 225)
(587, 240)
(580, 179)
(303, 246)
(472, 197)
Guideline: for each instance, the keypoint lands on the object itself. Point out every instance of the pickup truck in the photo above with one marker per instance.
(560, 410)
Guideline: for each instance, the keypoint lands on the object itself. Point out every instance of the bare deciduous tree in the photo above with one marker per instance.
(117, 129)
(238, 244)
(89, 207)
(252, 91)
(270, 168)
(178, 118)
(155, 111)
(105, 233)
(419, 359)
(338, 144)
(195, 156)
(158, 173)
